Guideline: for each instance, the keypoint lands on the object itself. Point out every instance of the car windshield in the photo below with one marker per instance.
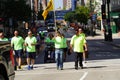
(42, 29)
(50, 24)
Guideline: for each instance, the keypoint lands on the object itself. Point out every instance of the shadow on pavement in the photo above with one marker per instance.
(100, 49)
(95, 67)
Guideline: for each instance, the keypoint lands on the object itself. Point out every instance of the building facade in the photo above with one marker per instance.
(64, 4)
(115, 5)
(2, 7)
(69, 4)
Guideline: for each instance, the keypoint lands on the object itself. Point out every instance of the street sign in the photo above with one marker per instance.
(94, 17)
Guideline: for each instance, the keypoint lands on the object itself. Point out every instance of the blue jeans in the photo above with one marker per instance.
(59, 57)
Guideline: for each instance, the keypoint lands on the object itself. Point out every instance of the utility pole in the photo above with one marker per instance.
(103, 12)
(33, 13)
(93, 18)
(108, 22)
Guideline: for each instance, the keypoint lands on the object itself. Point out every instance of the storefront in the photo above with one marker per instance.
(115, 15)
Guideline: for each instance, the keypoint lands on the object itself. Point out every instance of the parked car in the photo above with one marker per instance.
(51, 27)
(6, 61)
(42, 29)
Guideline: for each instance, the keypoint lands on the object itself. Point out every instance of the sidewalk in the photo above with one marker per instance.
(100, 35)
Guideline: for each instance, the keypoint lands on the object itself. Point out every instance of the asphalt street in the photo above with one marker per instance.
(103, 63)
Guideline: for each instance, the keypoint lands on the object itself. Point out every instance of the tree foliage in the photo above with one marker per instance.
(18, 9)
(70, 16)
(81, 14)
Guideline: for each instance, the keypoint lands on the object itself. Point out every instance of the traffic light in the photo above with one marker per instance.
(103, 10)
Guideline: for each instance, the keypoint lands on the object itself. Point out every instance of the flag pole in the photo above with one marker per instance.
(54, 16)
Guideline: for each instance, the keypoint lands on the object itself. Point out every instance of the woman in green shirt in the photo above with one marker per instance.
(49, 49)
(58, 39)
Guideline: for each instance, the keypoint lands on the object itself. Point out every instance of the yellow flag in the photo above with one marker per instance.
(49, 7)
(44, 14)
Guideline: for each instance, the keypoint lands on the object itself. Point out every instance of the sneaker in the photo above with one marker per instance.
(28, 68)
(61, 68)
(19, 67)
(81, 67)
(76, 68)
(84, 64)
(15, 68)
(31, 67)
(57, 68)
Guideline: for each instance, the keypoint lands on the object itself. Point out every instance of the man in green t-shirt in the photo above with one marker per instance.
(2, 38)
(77, 42)
(30, 43)
(17, 44)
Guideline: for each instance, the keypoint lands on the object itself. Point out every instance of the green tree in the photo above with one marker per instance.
(81, 14)
(70, 16)
(18, 9)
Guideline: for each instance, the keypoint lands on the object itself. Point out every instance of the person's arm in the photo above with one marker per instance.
(71, 45)
(35, 42)
(25, 42)
(86, 47)
(12, 43)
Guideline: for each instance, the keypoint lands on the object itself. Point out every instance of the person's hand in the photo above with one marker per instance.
(71, 50)
(32, 44)
(26, 44)
(86, 49)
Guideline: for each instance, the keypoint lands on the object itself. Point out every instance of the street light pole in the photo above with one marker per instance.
(108, 22)
(106, 19)
(33, 13)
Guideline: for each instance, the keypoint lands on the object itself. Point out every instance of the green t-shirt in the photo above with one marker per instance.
(78, 42)
(3, 39)
(83, 34)
(42, 34)
(48, 40)
(17, 42)
(29, 41)
(58, 42)
(64, 43)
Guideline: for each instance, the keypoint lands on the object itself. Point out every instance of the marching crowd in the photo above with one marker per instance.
(30, 44)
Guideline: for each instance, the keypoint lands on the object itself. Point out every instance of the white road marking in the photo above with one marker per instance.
(61, 72)
(41, 73)
(84, 75)
(107, 70)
